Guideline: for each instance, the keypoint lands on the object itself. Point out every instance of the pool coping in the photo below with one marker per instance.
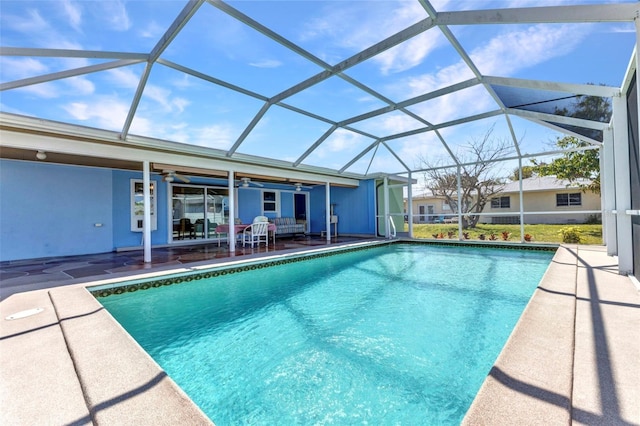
(92, 370)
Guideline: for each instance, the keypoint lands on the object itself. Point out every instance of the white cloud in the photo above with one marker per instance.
(32, 24)
(103, 112)
(183, 82)
(114, 12)
(220, 136)
(341, 141)
(73, 13)
(42, 91)
(19, 68)
(515, 50)
(152, 30)
(267, 63)
(410, 53)
(349, 26)
(80, 85)
(124, 77)
(180, 103)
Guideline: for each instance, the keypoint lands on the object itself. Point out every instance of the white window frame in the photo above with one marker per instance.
(569, 202)
(276, 202)
(137, 206)
(499, 203)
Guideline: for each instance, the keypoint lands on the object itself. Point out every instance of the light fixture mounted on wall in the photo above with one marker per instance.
(41, 155)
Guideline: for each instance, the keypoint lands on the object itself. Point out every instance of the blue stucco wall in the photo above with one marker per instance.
(51, 210)
(355, 208)
(122, 234)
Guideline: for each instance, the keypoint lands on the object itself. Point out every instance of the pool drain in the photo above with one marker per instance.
(24, 314)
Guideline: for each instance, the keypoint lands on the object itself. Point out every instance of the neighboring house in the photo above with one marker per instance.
(545, 200)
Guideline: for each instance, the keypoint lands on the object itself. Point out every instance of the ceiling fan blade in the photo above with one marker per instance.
(184, 179)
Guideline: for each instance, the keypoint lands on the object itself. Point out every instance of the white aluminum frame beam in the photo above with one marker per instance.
(622, 186)
(624, 12)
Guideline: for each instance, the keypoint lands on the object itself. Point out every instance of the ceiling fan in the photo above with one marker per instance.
(245, 182)
(299, 186)
(170, 176)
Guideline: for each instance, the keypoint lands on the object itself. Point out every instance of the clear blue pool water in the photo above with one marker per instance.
(400, 334)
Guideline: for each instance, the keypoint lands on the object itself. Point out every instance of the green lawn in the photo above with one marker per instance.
(589, 234)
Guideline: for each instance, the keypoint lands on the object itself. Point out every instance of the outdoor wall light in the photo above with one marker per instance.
(41, 155)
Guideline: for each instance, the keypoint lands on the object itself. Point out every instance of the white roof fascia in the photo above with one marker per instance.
(17, 125)
(68, 53)
(68, 73)
(86, 148)
(578, 89)
(624, 12)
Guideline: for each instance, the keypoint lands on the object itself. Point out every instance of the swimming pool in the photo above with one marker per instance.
(393, 334)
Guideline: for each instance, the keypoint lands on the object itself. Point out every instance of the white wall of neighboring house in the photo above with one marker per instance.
(539, 195)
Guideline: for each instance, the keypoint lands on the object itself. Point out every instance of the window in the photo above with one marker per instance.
(566, 200)
(137, 205)
(445, 206)
(501, 203)
(269, 204)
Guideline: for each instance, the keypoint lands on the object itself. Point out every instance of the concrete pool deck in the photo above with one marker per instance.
(574, 357)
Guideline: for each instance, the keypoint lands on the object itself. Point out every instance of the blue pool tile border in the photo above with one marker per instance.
(186, 277)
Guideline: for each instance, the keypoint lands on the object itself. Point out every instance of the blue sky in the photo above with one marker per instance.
(180, 107)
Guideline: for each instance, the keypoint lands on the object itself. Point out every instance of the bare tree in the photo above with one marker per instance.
(479, 177)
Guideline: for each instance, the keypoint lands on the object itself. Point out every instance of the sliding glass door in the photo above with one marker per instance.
(197, 210)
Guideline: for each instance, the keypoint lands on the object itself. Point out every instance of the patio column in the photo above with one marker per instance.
(521, 199)
(410, 206)
(146, 223)
(459, 189)
(622, 185)
(385, 186)
(608, 193)
(232, 211)
(328, 210)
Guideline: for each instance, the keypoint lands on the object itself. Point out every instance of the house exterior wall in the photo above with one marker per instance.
(52, 210)
(534, 201)
(545, 201)
(49, 210)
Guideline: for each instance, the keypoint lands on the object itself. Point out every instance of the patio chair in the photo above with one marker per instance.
(255, 233)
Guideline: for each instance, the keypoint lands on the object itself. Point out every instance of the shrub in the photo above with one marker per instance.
(593, 219)
(528, 237)
(505, 235)
(465, 235)
(482, 236)
(493, 237)
(570, 234)
(451, 234)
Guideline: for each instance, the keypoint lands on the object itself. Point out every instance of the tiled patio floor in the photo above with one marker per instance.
(35, 274)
